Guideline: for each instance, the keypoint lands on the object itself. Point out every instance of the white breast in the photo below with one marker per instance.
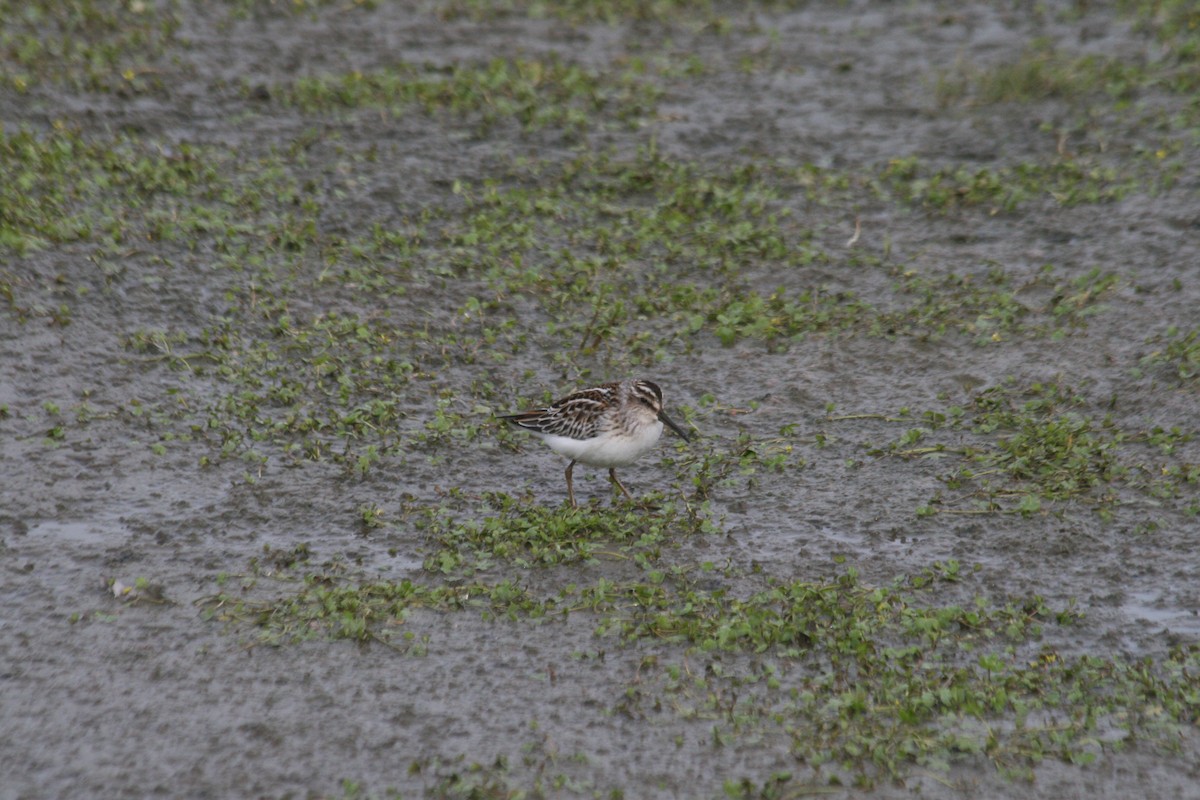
(611, 449)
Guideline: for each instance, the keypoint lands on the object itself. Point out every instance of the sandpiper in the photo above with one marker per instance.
(611, 425)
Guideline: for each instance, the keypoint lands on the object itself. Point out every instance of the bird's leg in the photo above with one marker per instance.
(571, 488)
(612, 475)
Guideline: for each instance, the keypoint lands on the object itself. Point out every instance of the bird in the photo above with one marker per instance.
(610, 425)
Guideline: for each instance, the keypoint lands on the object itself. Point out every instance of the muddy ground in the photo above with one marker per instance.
(109, 474)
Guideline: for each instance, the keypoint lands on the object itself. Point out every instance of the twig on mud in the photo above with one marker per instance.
(611, 554)
(853, 240)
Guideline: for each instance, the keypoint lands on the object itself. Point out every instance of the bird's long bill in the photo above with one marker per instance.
(662, 415)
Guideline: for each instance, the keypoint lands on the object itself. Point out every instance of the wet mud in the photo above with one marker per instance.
(151, 697)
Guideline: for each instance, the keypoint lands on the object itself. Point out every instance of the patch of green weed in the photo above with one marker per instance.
(609, 11)
(529, 535)
(63, 187)
(536, 93)
(311, 386)
(696, 233)
(1012, 449)
(1179, 354)
(1040, 73)
(1067, 182)
(95, 45)
(868, 683)
(1176, 25)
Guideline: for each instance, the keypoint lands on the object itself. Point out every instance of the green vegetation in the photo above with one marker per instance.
(90, 45)
(1013, 448)
(1095, 97)
(609, 11)
(1179, 354)
(1040, 73)
(528, 535)
(1176, 26)
(1067, 182)
(63, 187)
(535, 93)
(700, 237)
(628, 260)
(867, 682)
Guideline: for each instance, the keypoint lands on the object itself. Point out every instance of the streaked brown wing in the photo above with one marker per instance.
(576, 416)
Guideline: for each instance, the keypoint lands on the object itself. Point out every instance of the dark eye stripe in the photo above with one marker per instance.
(649, 394)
